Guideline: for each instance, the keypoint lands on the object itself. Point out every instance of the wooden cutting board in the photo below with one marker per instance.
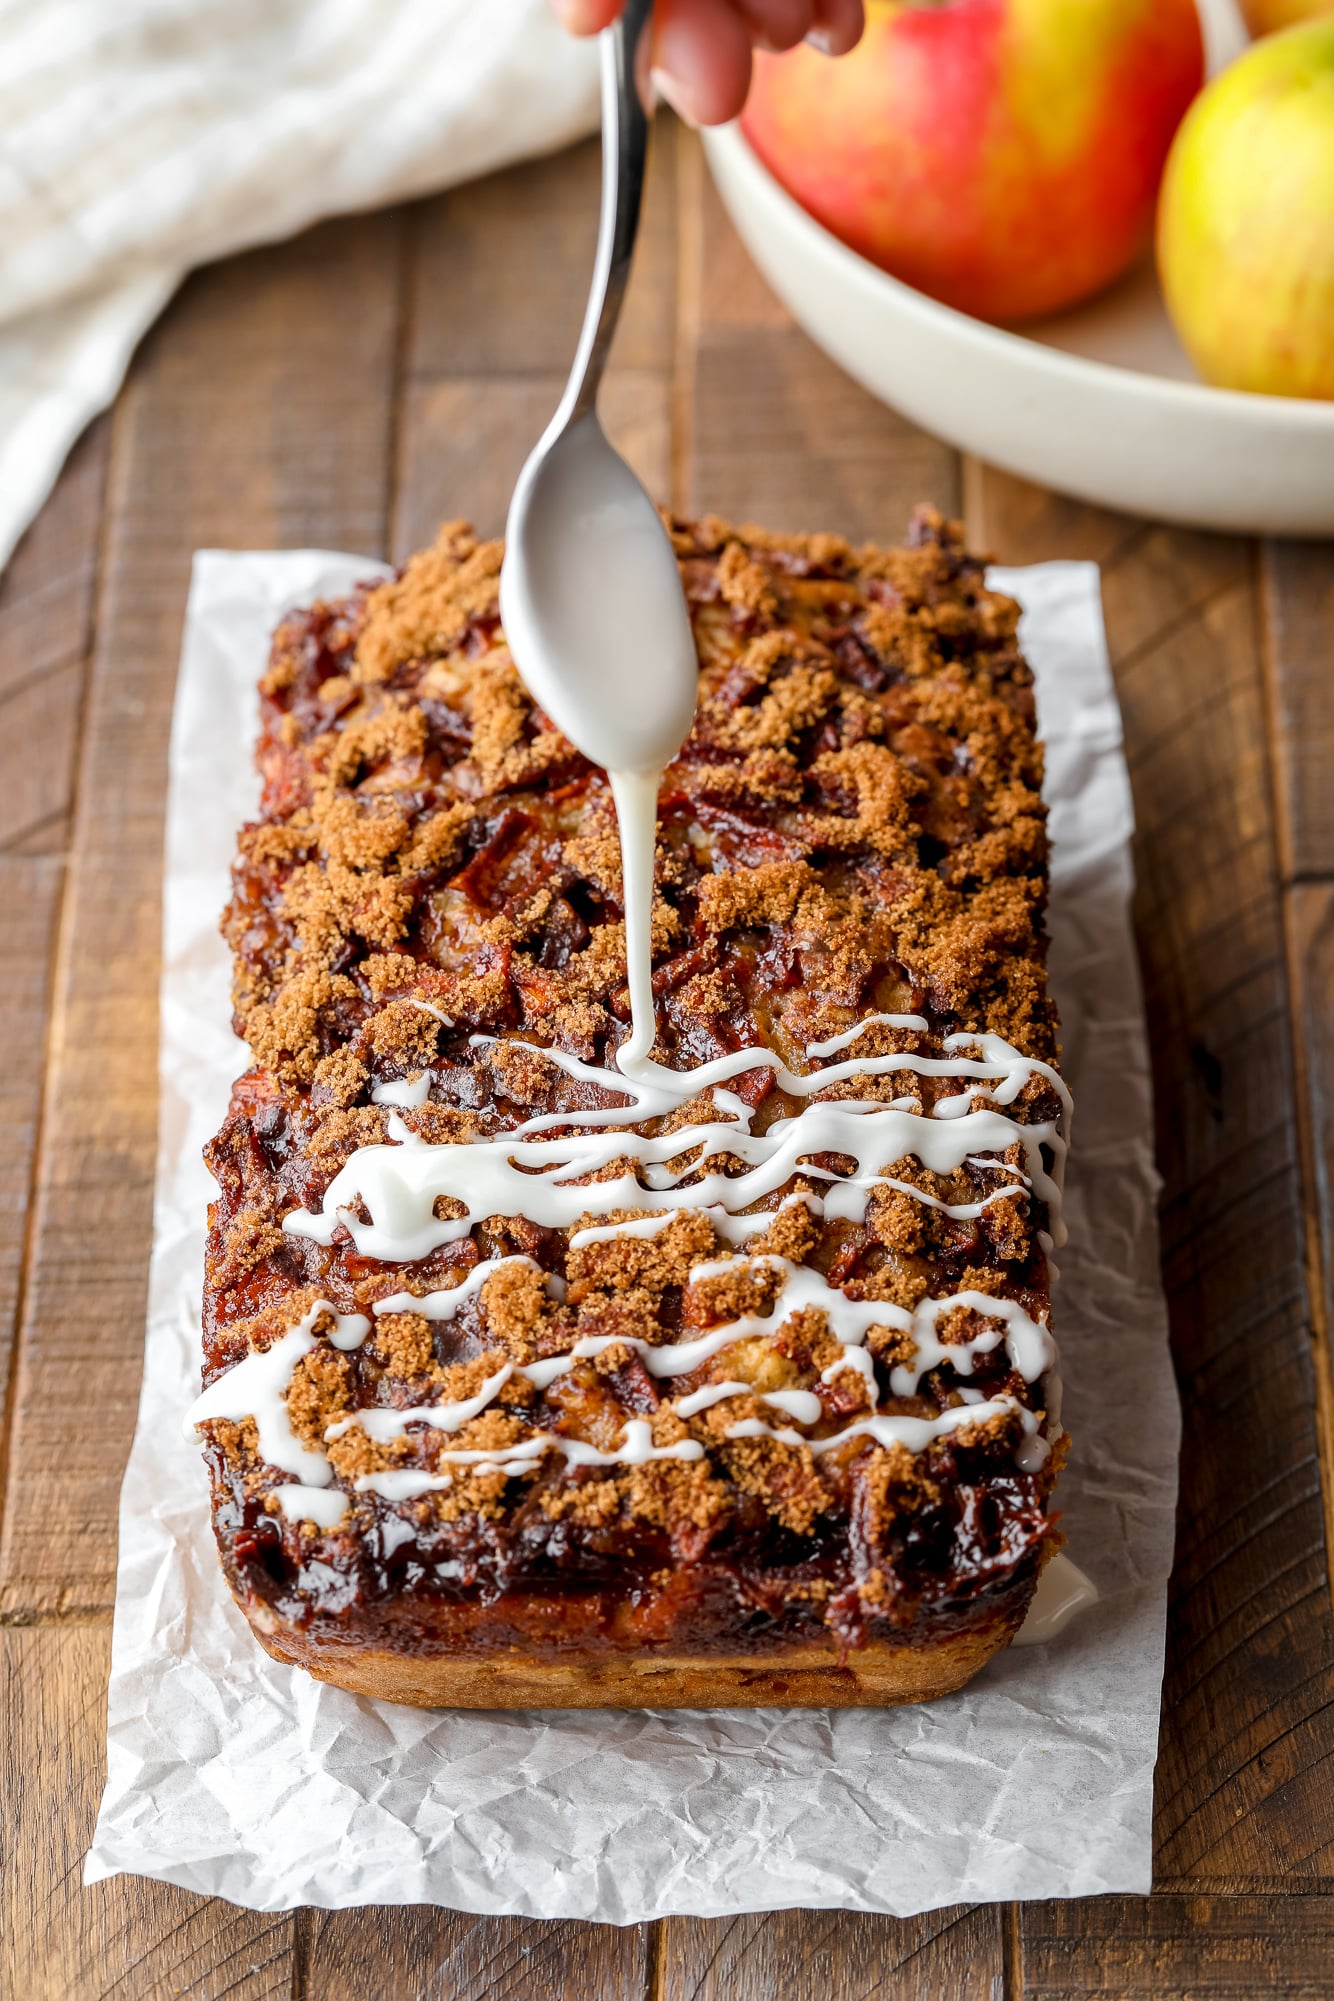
(350, 390)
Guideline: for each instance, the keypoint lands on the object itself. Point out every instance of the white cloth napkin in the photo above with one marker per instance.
(143, 137)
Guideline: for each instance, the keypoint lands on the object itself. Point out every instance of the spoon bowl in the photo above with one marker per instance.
(592, 605)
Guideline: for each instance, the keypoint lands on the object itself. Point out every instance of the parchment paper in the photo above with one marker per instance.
(231, 1775)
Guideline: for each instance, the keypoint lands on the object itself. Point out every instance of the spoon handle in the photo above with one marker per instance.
(624, 150)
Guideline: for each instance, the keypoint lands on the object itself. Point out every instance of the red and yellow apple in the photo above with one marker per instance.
(1246, 221)
(1266, 17)
(1002, 155)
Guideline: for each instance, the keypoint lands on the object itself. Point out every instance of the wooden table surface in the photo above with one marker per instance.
(349, 390)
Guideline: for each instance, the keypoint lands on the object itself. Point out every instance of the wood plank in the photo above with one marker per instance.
(393, 1954)
(257, 414)
(499, 277)
(1309, 920)
(951, 1955)
(1298, 601)
(1178, 1948)
(46, 604)
(42, 715)
(466, 438)
(1299, 622)
(46, 591)
(501, 268)
(775, 433)
(126, 1939)
(1248, 1731)
(784, 439)
(30, 890)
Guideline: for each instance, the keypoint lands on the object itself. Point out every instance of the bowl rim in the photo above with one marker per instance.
(1252, 408)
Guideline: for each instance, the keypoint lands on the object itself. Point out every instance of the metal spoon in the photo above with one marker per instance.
(590, 593)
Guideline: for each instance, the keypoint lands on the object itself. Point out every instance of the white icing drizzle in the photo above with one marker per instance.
(636, 796)
(739, 1229)
(325, 1506)
(736, 1229)
(444, 1305)
(384, 1425)
(407, 1096)
(655, 1091)
(803, 1405)
(637, 1226)
(400, 1185)
(733, 1229)
(959, 1211)
(1063, 1590)
(914, 1432)
(257, 1387)
(859, 1360)
(349, 1330)
(636, 1449)
(833, 1044)
(1030, 1345)
(426, 1008)
(538, 1176)
(737, 1108)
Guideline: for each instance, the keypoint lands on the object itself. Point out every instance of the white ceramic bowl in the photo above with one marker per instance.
(1101, 402)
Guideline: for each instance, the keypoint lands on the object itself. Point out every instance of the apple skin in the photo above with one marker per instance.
(1002, 155)
(1266, 17)
(1246, 220)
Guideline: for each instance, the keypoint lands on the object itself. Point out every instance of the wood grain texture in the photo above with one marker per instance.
(951, 1955)
(47, 590)
(497, 282)
(1299, 619)
(46, 623)
(466, 439)
(1236, 1948)
(501, 269)
(1298, 602)
(440, 1955)
(125, 1940)
(772, 431)
(1309, 917)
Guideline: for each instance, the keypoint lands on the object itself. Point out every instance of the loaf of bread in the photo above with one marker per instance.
(526, 1386)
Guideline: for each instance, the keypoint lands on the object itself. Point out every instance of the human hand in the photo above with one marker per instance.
(700, 55)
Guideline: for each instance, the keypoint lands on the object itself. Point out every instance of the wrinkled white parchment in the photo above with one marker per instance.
(231, 1775)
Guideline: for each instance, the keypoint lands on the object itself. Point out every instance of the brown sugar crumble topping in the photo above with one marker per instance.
(853, 828)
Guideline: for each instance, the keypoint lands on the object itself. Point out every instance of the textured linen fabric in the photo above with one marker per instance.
(143, 137)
